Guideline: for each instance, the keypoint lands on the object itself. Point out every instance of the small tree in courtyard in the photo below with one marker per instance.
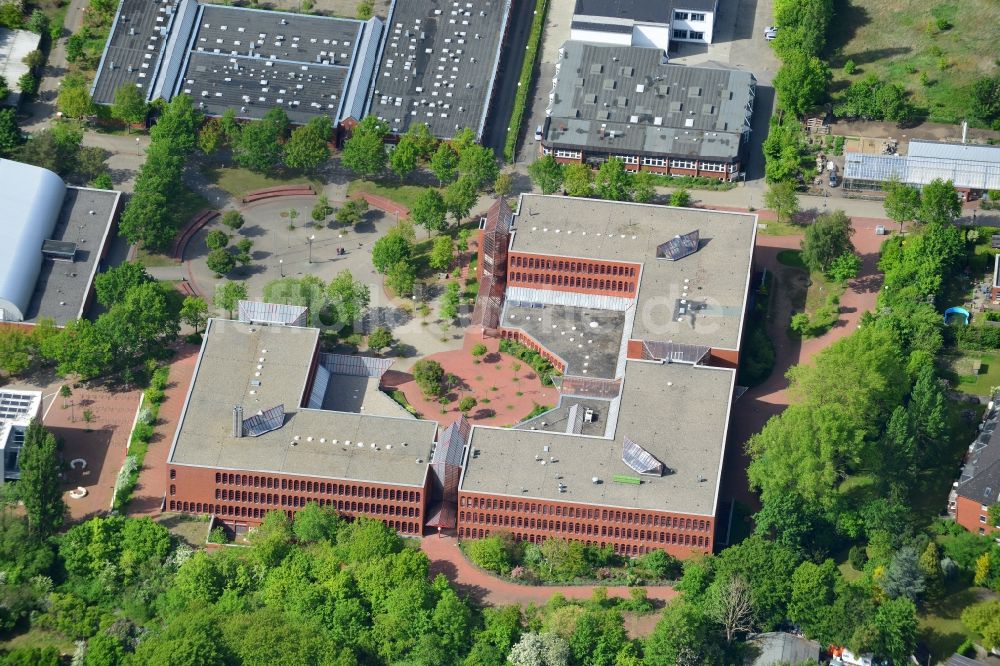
(429, 376)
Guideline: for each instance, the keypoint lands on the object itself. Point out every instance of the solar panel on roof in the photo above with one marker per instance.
(640, 459)
(264, 422)
(679, 247)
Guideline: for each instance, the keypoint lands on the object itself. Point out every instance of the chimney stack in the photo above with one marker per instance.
(237, 421)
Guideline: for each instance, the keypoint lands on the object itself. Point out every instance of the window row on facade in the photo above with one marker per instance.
(619, 548)
(570, 266)
(321, 487)
(258, 513)
(573, 529)
(585, 513)
(560, 280)
(296, 501)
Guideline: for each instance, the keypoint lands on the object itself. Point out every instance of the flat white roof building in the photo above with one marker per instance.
(17, 408)
(14, 46)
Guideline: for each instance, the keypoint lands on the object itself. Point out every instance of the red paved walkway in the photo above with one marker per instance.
(101, 443)
(152, 485)
(447, 559)
(760, 403)
(504, 408)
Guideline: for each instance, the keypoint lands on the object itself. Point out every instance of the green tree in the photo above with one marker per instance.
(983, 618)
(871, 98)
(939, 203)
(429, 376)
(442, 253)
(782, 199)
(16, 350)
(259, 147)
(467, 404)
(845, 267)
(307, 148)
(401, 278)
(643, 187)
(812, 597)
(563, 560)
(146, 220)
(491, 553)
(364, 152)
(210, 136)
(10, 134)
(39, 486)
(352, 212)
(191, 639)
(902, 202)
(804, 26)
(683, 635)
(315, 523)
(27, 83)
(429, 211)
(229, 294)
(404, 157)
(112, 285)
(544, 649)
(444, 163)
(178, 125)
(984, 98)
(801, 82)
(903, 577)
(450, 301)
(350, 297)
(578, 180)
(80, 348)
(380, 338)
(613, 181)
(38, 22)
(503, 185)
(479, 165)
(420, 135)
(129, 106)
(826, 239)
(460, 197)
(216, 239)
(103, 182)
(546, 174)
(194, 312)
(894, 629)
(389, 250)
(220, 261)
(74, 101)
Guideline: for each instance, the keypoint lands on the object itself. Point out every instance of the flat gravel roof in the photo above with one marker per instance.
(310, 442)
(135, 47)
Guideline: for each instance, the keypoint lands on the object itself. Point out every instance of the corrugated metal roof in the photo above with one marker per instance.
(920, 171)
(954, 151)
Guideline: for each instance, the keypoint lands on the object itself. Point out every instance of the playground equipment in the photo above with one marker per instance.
(961, 312)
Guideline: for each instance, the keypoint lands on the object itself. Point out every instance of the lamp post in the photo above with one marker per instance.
(310, 240)
(281, 267)
(137, 146)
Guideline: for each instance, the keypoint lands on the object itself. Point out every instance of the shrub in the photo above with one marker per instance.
(850, 67)
(218, 535)
(216, 239)
(858, 557)
(492, 553)
(467, 403)
(524, 83)
(429, 375)
(479, 350)
(232, 219)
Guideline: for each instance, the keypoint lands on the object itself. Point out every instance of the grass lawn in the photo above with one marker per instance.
(807, 291)
(791, 258)
(404, 195)
(900, 41)
(39, 638)
(775, 228)
(981, 383)
(238, 181)
(941, 626)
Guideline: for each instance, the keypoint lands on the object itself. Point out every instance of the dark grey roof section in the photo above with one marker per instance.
(450, 447)
(626, 100)
(980, 478)
(135, 47)
(959, 660)
(779, 647)
(679, 246)
(695, 5)
(438, 64)
(264, 422)
(601, 27)
(648, 11)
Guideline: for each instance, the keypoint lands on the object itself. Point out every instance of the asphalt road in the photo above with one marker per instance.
(505, 86)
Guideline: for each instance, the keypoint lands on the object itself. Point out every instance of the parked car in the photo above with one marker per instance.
(833, 179)
(538, 133)
(770, 32)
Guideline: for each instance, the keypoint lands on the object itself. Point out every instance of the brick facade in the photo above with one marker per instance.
(241, 499)
(971, 515)
(629, 531)
(584, 276)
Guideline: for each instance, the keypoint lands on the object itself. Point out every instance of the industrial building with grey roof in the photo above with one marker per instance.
(52, 240)
(246, 59)
(657, 382)
(628, 102)
(438, 64)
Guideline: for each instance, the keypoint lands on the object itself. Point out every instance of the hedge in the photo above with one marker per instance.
(538, 363)
(142, 434)
(524, 83)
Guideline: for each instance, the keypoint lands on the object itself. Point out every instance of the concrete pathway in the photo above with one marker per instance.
(447, 559)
